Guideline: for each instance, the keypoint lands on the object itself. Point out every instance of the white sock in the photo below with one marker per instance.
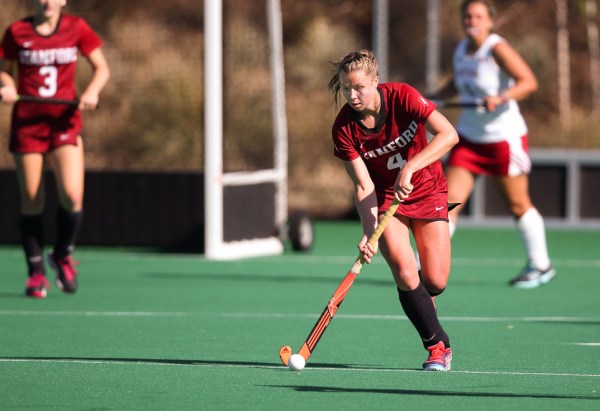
(452, 228)
(532, 230)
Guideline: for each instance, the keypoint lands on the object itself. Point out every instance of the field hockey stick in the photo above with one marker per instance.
(33, 99)
(460, 104)
(332, 306)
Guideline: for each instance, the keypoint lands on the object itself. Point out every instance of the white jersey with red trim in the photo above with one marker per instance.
(478, 75)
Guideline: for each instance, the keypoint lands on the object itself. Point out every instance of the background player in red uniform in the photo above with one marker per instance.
(44, 48)
(380, 136)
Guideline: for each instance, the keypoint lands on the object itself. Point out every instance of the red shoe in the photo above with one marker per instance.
(66, 275)
(37, 286)
(439, 359)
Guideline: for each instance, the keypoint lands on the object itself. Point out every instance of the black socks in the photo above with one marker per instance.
(67, 228)
(32, 239)
(420, 310)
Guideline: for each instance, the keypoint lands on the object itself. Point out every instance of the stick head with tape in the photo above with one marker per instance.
(285, 353)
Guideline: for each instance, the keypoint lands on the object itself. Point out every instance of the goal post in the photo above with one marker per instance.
(245, 211)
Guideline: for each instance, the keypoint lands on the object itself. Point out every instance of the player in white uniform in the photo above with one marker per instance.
(493, 141)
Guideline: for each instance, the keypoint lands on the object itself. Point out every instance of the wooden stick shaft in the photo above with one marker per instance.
(342, 290)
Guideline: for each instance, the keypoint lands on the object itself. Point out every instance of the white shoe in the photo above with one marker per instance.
(532, 277)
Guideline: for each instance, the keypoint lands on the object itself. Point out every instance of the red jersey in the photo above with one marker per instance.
(47, 68)
(398, 136)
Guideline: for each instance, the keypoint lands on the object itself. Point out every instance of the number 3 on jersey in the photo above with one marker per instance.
(395, 162)
(50, 74)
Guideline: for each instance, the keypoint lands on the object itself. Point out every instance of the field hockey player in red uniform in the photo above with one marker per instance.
(380, 134)
(42, 52)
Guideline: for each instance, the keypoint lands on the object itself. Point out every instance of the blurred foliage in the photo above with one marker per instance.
(151, 115)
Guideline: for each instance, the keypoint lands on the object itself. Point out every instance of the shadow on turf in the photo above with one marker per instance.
(432, 393)
(13, 295)
(302, 388)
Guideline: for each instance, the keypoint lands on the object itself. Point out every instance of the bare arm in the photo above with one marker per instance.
(8, 89)
(366, 203)
(516, 67)
(444, 138)
(364, 194)
(101, 73)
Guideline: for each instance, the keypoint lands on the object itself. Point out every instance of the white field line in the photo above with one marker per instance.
(263, 366)
(369, 317)
(585, 344)
(386, 317)
(93, 313)
(457, 261)
(284, 315)
(519, 262)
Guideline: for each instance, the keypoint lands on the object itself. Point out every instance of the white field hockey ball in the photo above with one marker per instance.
(296, 362)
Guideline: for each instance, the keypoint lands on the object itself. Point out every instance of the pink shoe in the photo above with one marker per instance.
(37, 286)
(439, 359)
(66, 275)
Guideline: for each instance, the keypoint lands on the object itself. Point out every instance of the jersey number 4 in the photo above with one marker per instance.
(395, 162)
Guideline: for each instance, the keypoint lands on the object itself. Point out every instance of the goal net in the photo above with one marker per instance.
(245, 136)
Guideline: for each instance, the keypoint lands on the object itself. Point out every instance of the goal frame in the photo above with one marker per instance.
(215, 180)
